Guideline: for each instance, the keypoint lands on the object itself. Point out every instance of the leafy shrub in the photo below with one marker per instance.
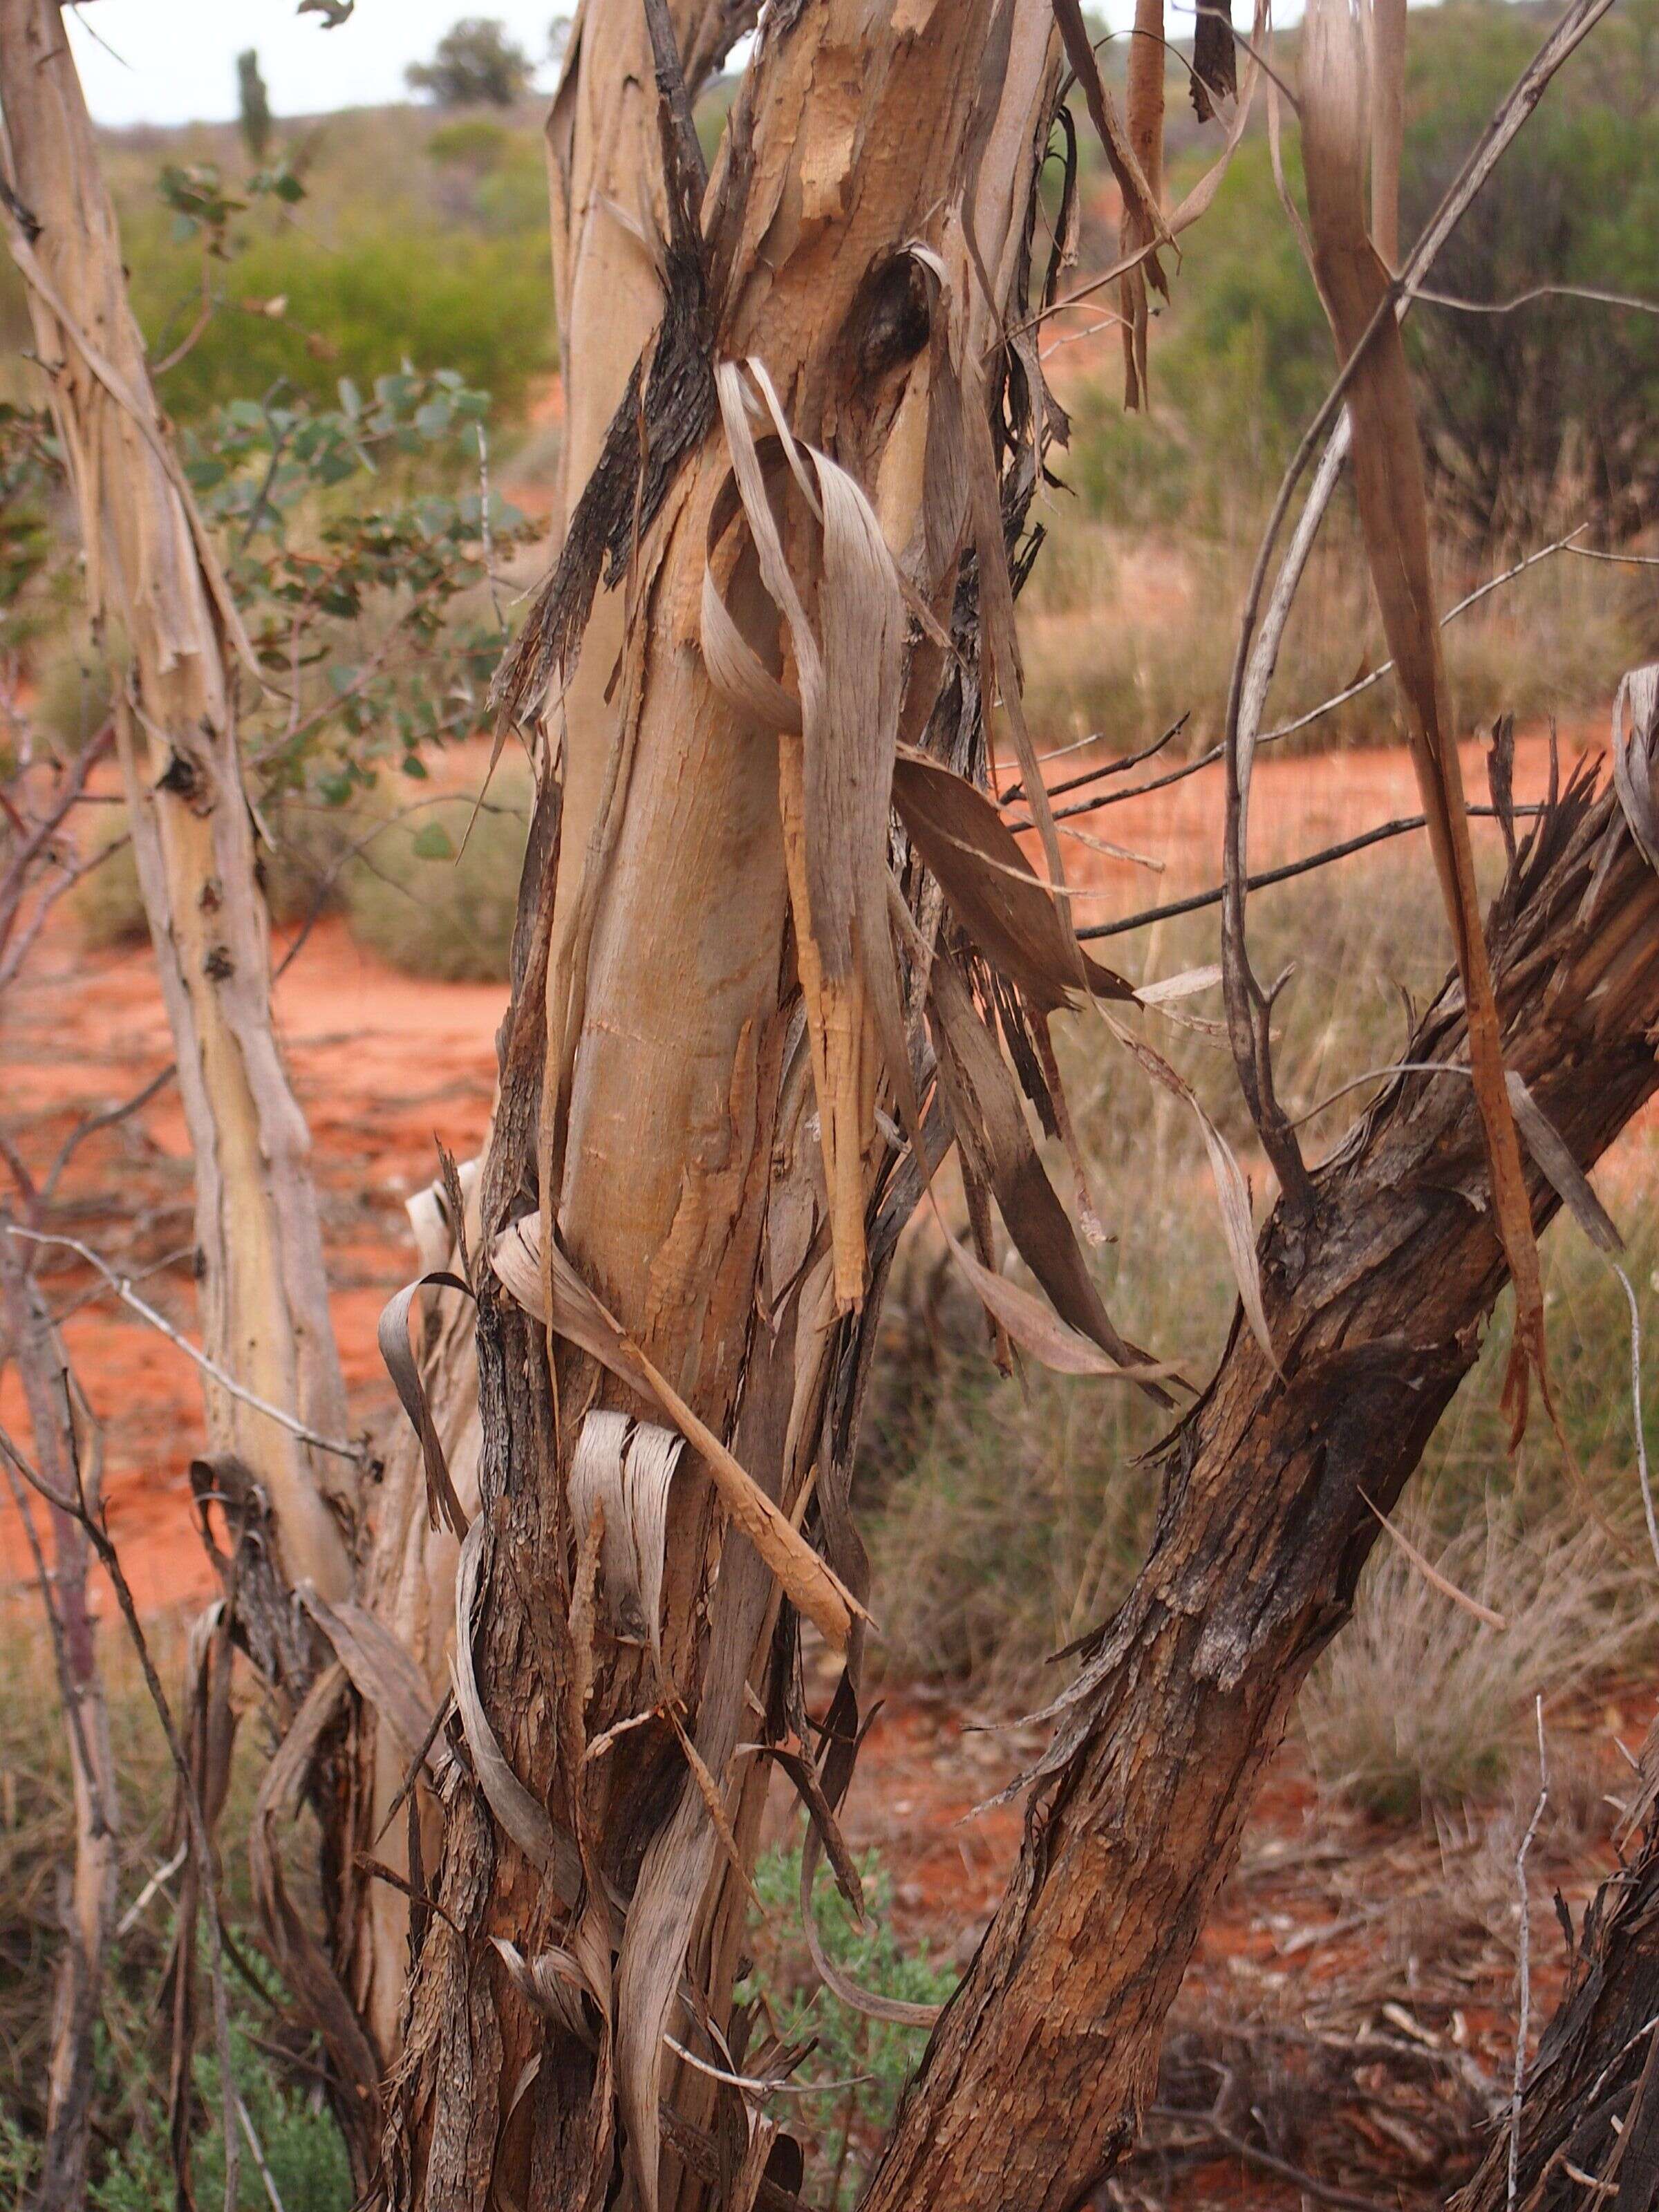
(431, 908)
(439, 299)
(838, 2133)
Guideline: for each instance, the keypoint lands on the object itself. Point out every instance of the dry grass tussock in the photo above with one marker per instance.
(1418, 1703)
(1009, 1515)
(1122, 637)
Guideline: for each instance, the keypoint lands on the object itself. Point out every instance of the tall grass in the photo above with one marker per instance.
(1008, 1515)
(1125, 630)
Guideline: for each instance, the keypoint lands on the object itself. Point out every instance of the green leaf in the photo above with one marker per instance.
(433, 843)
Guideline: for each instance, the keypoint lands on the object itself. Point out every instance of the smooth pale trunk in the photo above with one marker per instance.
(263, 1293)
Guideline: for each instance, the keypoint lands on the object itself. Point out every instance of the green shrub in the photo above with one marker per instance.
(439, 299)
(431, 908)
(838, 2133)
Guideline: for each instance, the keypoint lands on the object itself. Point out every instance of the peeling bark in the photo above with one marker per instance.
(670, 1097)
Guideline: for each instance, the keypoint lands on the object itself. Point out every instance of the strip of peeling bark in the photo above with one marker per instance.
(152, 579)
(1033, 2083)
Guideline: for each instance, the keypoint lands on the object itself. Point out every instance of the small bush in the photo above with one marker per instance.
(130, 2168)
(839, 2133)
(431, 908)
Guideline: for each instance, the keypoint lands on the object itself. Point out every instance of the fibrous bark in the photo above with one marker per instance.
(1588, 2128)
(1034, 2081)
(656, 1113)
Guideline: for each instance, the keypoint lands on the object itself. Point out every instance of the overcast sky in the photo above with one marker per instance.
(177, 58)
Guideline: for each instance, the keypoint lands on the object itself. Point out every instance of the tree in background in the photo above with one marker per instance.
(476, 64)
(253, 104)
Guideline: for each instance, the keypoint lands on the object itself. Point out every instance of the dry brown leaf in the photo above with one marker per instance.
(1554, 1157)
(1035, 1326)
(1389, 483)
(443, 1506)
(990, 887)
(579, 1315)
(1215, 57)
(1432, 1576)
(383, 1672)
(992, 1130)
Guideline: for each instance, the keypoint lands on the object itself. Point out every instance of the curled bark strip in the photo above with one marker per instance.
(1635, 729)
(624, 1469)
(442, 1505)
(1355, 285)
(297, 1951)
(833, 784)
(552, 1850)
(579, 1315)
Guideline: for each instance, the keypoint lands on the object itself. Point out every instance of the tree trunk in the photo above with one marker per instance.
(1035, 2079)
(666, 1105)
(1589, 2118)
(154, 585)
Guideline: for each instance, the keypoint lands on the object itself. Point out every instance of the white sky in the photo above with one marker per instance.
(177, 57)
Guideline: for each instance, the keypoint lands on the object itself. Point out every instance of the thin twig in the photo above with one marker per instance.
(1266, 877)
(123, 1289)
(1541, 292)
(1636, 1407)
(1523, 2022)
(99, 1536)
(1323, 2192)
(107, 1120)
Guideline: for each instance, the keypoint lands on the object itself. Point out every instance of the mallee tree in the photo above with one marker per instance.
(776, 954)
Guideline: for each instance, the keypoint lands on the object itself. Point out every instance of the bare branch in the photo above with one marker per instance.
(123, 1289)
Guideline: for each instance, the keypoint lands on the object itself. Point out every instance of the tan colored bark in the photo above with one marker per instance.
(688, 1143)
(154, 586)
(1035, 2080)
